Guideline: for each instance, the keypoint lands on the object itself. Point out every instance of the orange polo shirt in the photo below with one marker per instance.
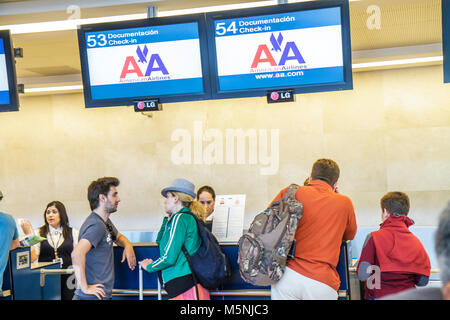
(328, 218)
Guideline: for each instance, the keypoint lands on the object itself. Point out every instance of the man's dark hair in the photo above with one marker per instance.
(326, 170)
(442, 244)
(208, 189)
(395, 202)
(98, 187)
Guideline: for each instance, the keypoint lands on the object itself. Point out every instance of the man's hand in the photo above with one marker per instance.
(95, 289)
(128, 253)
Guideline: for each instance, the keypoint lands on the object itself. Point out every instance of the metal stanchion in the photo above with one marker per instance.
(159, 289)
(141, 284)
(45, 272)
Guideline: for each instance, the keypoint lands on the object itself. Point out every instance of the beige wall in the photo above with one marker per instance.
(392, 132)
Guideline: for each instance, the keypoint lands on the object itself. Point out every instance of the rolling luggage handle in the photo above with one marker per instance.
(159, 289)
(141, 284)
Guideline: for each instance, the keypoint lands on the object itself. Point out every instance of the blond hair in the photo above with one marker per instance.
(194, 206)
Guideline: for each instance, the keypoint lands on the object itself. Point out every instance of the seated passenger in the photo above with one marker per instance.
(207, 197)
(442, 248)
(392, 258)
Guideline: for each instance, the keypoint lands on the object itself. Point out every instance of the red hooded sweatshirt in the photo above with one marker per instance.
(398, 253)
(398, 250)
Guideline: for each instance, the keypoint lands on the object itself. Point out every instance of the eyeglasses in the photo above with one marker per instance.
(111, 232)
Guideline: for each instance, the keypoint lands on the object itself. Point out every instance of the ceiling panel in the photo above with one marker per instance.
(402, 23)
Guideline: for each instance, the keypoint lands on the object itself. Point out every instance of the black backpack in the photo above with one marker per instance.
(209, 265)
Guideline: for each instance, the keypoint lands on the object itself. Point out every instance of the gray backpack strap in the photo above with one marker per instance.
(290, 194)
(291, 191)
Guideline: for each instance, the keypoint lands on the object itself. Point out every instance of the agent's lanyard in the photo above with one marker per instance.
(55, 247)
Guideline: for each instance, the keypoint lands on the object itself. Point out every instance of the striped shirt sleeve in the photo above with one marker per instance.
(173, 246)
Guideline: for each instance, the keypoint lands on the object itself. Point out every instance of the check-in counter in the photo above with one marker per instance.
(126, 284)
(23, 280)
(41, 281)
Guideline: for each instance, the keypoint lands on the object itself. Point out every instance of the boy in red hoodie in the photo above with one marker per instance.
(392, 258)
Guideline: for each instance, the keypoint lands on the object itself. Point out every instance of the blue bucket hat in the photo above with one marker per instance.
(180, 185)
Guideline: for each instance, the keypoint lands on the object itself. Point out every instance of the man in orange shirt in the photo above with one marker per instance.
(328, 218)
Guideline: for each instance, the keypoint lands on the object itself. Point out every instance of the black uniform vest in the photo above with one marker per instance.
(47, 254)
(64, 251)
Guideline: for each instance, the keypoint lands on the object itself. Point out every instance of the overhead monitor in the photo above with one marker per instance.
(446, 38)
(164, 58)
(9, 100)
(300, 46)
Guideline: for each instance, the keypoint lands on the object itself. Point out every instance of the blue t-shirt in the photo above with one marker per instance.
(8, 233)
(99, 266)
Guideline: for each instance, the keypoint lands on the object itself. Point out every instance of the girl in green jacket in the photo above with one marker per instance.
(178, 228)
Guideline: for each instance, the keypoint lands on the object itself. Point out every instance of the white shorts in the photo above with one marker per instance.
(294, 286)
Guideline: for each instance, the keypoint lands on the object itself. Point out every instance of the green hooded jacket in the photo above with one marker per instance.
(176, 230)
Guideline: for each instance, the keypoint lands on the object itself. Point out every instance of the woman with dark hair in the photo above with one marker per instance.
(207, 197)
(59, 243)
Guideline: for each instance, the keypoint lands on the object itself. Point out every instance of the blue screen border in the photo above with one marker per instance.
(13, 104)
(129, 101)
(446, 38)
(347, 84)
(208, 53)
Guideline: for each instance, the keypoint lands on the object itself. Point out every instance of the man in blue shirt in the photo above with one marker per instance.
(9, 239)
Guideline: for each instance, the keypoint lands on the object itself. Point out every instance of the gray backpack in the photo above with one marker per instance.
(263, 250)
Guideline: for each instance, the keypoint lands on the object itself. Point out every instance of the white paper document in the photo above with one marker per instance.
(228, 217)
